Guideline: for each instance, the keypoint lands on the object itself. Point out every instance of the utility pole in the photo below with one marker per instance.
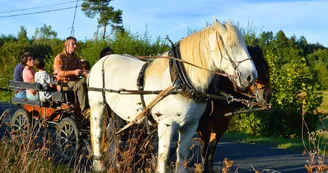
(72, 28)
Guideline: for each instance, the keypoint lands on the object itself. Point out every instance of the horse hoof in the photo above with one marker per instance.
(99, 166)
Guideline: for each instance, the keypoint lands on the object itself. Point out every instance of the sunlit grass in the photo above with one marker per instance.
(278, 142)
(4, 96)
(324, 106)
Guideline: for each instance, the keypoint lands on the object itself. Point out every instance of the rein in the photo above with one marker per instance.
(186, 62)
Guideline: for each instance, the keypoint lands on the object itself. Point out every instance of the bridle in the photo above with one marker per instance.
(235, 64)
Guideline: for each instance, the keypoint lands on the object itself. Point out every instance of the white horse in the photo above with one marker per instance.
(219, 48)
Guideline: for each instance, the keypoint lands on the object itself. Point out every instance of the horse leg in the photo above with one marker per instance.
(186, 134)
(207, 150)
(218, 131)
(97, 137)
(204, 137)
(203, 146)
(210, 155)
(165, 135)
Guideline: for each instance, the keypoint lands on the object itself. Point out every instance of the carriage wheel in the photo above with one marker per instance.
(67, 138)
(20, 125)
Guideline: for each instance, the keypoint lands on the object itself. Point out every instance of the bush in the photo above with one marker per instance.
(294, 86)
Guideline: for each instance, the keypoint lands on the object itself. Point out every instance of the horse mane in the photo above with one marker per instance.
(261, 64)
(157, 67)
(196, 49)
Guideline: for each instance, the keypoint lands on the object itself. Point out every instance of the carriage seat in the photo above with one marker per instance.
(25, 101)
(64, 95)
(24, 85)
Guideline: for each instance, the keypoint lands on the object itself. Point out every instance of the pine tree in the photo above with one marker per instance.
(107, 15)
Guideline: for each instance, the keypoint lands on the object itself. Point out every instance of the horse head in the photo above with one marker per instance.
(261, 88)
(227, 42)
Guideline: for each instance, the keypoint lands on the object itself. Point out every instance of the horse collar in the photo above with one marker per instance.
(180, 79)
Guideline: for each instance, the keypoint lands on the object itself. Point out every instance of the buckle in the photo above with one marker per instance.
(229, 99)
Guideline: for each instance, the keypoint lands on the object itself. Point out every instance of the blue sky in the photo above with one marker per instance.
(173, 17)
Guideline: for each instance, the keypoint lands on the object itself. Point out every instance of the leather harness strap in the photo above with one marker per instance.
(103, 79)
(158, 98)
(140, 85)
(179, 75)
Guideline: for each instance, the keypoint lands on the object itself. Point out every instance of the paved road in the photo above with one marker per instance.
(4, 118)
(259, 156)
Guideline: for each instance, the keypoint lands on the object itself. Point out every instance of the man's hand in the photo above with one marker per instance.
(77, 72)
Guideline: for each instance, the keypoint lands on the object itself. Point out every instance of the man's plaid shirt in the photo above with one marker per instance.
(64, 62)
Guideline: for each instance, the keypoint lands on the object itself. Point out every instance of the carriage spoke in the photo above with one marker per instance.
(67, 139)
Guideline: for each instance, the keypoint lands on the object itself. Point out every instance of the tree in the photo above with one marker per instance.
(265, 38)
(107, 15)
(22, 35)
(281, 40)
(303, 44)
(45, 32)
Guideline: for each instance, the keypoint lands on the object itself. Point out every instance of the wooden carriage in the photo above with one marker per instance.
(62, 111)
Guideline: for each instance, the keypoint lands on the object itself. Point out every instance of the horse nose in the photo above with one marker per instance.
(250, 78)
(247, 79)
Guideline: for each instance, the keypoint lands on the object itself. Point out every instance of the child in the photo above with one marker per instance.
(43, 78)
(85, 67)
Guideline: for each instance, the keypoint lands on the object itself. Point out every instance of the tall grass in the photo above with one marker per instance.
(133, 151)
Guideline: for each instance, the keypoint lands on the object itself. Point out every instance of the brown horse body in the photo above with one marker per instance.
(213, 123)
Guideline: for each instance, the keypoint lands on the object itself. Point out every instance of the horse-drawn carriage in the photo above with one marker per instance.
(218, 49)
(62, 111)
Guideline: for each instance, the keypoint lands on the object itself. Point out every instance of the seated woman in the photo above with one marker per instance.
(18, 74)
(28, 76)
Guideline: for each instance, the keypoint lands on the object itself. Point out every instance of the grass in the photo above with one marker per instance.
(15, 158)
(4, 96)
(37, 152)
(283, 143)
(27, 155)
(324, 106)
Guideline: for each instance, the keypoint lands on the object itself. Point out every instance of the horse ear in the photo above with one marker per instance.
(214, 20)
(219, 25)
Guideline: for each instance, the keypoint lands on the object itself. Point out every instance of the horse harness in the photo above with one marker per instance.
(181, 85)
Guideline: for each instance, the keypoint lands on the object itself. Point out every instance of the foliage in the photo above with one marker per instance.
(44, 33)
(91, 49)
(136, 44)
(248, 123)
(296, 66)
(22, 36)
(291, 83)
(296, 76)
(10, 54)
(107, 14)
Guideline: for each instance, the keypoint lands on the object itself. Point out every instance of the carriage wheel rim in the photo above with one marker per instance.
(21, 124)
(67, 140)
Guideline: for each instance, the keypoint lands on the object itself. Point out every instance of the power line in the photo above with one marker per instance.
(24, 9)
(38, 12)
